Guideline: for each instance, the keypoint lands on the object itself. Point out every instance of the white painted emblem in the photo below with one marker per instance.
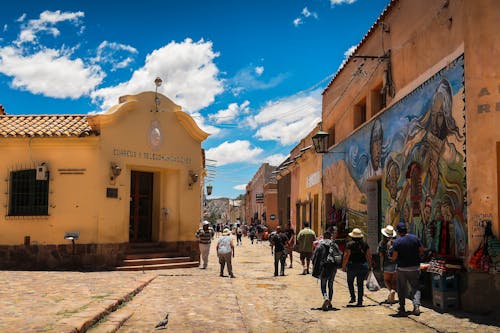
(155, 136)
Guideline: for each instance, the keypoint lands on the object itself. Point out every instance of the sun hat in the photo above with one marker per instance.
(356, 233)
(388, 231)
(226, 232)
(206, 223)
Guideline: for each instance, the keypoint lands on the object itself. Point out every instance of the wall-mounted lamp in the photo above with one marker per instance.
(320, 141)
(209, 189)
(116, 170)
(72, 236)
(193, 177)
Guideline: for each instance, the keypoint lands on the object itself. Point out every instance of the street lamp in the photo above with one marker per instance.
(209, 189)
(158, 82)
(320, 141)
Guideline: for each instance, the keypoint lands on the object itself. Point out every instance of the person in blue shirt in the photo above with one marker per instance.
(406, 252)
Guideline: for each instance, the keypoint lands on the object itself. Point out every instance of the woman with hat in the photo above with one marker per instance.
(357, 262)
(388, 266)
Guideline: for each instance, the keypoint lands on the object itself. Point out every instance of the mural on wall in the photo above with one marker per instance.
(416, 149)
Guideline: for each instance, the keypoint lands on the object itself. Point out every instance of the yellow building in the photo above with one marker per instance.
(131, 175)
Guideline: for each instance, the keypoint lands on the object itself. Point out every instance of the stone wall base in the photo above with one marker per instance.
(81, 257)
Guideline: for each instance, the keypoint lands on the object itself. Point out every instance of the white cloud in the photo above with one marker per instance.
(339, 2)
(234, 152)
(21, 18)
(289, 119)
(46, 23)
(115, 54)
(200, 121)
(246, 79)
(307, 13)
(347, 54)
(259, 70)
(188, 72)
(49, 72)
(233, 111)
(275, 159)
(241, 187)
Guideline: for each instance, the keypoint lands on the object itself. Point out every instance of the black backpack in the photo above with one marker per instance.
(334, 256)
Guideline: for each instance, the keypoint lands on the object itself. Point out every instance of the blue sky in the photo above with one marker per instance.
(251, 73)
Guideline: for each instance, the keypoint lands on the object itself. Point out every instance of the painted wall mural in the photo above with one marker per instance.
(416, 149)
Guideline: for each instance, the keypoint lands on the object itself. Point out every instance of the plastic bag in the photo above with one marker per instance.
(371, 282)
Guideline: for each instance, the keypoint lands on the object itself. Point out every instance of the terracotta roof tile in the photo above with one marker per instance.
(45, 126)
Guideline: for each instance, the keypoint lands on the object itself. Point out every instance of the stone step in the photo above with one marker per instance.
(154, 261)
(159, 266)
(152, 255)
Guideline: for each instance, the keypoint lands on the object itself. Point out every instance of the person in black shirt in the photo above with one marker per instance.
(357, 262)
(278, 241)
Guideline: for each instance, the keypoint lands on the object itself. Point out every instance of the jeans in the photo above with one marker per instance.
(358, 271)
(324, 282)
(280, 257)
(411, 277)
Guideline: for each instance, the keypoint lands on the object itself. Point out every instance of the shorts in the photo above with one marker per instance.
(305, 255)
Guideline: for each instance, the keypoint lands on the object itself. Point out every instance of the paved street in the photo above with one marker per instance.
(201, 301)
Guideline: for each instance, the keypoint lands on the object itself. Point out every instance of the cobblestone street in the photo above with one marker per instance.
(201, 301)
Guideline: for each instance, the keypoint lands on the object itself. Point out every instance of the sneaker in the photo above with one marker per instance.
(352, 300)
(304, 272)
(392, 296)
(324, 307)
(232, 276)
(330, 306)
(416, 310)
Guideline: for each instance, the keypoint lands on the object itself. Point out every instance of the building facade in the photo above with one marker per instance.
(412, 119)
(80, 189)
(261, 197)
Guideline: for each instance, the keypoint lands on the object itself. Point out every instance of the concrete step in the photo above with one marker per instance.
(151, 255)
(188, 264)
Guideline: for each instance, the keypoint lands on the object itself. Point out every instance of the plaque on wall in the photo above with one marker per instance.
(111, 192)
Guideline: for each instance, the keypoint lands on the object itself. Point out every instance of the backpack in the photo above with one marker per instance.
(334, 256)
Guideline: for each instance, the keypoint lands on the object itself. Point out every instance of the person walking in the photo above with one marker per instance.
(406, 252)
(239, 234)
(205, 234)
(325, 269)
(305, 240)
(357, 262)
(225, 250)
(278, 241)
(387, 265)
(290, 233)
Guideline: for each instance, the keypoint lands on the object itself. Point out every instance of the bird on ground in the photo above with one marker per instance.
(163, 323)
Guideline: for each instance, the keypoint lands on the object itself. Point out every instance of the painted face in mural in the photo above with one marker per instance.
(391, 180)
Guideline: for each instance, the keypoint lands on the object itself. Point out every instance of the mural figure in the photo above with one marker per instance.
(421, 163)
(376, 140)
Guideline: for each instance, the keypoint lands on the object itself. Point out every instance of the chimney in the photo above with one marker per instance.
(2, 110)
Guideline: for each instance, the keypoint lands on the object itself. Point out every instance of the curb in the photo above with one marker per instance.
(76, 325)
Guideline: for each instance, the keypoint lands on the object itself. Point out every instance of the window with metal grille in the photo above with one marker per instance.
(28, 196)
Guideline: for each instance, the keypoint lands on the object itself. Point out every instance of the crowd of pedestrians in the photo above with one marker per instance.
(399, 254)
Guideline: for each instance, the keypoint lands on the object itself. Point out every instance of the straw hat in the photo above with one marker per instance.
(388, 231)
(206, 223)
(356, 233)
(226, 232)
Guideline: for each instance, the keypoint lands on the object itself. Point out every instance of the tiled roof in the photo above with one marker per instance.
(45, 126)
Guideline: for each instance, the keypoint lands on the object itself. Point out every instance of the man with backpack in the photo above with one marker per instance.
(326, 259)
(278, 241)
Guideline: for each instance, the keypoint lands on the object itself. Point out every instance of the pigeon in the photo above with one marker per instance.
(163, 323)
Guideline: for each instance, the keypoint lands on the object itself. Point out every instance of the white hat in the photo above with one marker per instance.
(206, 222)
(388, 231)
(356, 233)
(226, 232)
